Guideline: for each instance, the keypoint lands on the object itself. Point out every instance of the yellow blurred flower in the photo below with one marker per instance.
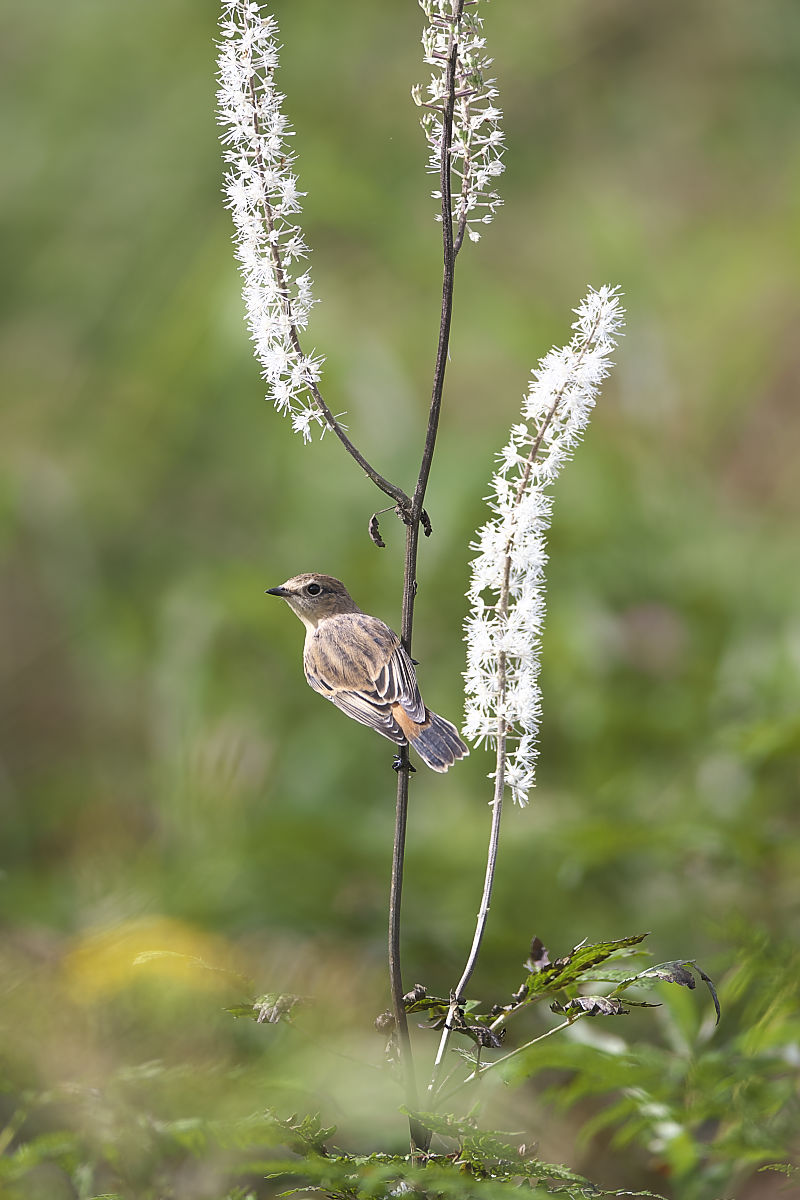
(154, 948)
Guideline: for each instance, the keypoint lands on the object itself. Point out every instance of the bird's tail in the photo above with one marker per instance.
(438, 743)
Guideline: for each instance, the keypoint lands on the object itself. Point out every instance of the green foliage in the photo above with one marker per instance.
(61, 1148)
(561, 979)
(710, 1101)
(297, 1152)
(545, 977)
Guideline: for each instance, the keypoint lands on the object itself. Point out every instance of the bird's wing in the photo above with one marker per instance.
(396, 682)
(377, 716)
(360, 664)
(390, 673)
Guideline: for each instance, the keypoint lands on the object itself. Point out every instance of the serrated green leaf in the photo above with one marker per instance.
(571, 967)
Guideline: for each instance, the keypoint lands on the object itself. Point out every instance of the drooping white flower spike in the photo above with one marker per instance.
(503, 631)
(262, 193)
(477, 138)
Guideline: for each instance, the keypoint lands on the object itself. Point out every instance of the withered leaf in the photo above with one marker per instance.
(593, 1006)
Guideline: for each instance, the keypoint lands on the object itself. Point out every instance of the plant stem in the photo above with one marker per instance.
(521, 1049)
(457, 996)
(481, 1069)
(420, 1137)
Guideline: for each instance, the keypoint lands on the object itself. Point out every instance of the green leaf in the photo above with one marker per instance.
(59, 1147)
(425, 1004)
(564, 971)
(783, 1168)
(675, 972)
(268, 1009)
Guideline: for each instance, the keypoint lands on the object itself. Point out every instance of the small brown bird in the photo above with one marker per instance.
(359, 664)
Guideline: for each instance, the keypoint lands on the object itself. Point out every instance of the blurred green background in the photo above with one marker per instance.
(167, 780)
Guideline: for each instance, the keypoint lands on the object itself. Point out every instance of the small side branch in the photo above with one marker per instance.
(386, 486)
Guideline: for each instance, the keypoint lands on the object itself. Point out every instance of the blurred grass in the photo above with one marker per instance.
(162, 759)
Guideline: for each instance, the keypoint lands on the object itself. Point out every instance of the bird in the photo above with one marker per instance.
(360, 665)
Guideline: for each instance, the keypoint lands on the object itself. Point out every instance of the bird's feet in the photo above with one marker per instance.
(398, 764)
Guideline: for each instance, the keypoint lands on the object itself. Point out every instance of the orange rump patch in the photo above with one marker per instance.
(412, 729)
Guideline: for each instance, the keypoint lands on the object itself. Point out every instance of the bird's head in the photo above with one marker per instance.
(314, 597)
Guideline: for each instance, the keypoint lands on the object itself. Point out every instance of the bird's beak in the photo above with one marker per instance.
(278, 591)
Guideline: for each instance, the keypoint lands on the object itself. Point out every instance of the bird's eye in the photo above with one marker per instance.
(313, 589)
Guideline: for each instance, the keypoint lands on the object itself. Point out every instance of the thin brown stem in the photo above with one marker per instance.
(386, 486)
(420, 1137)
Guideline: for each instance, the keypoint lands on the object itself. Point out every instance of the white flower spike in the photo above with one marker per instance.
(503, 631)
(477, 140)
(262, 193)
